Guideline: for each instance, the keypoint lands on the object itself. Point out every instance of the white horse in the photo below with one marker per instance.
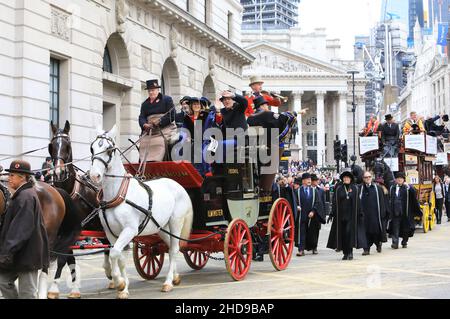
(171, 208)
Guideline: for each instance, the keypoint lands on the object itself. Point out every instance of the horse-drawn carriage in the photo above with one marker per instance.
(416, 156)
(417, 152)
(229, 216)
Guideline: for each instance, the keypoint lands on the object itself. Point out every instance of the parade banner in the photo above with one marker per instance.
(441, 159)
(368, 144)
(431, 145)
(415, 142)
(392, 163)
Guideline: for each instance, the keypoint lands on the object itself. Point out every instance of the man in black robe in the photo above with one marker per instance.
(404, 207)
(373, 206)
(307, 200)
(315, 223)
(347, 230)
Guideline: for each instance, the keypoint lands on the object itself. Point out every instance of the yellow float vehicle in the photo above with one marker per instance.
(416, 156)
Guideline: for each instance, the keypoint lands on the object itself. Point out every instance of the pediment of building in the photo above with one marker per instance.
(271, 59)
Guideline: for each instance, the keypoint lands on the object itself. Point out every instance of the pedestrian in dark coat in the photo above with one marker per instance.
(404, 208)
(315, 223)
(347, 229)
(373, 207)
(23, 239)
(308, 202)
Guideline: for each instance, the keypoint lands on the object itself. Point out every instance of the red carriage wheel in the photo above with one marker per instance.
(238, 249)
(148, 260)
(196, 259)
(281, 230)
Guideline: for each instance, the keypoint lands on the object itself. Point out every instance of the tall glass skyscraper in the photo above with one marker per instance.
(427, 12)
(269, 14)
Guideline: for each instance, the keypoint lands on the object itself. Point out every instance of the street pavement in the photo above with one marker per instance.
(420, 271)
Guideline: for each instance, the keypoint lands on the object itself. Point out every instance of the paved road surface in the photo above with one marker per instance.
(420, 271)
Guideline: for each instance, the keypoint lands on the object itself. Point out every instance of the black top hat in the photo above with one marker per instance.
(298, 181)
(185, 99)
(259, 101)
(388, 117)
(445, 118)
(306, 176)
(347, 173)
(20, 167)
(400, 175)
(152, 84)
(314, 177)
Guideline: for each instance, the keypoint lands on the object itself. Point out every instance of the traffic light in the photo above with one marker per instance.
(344, 153)
(337, 150)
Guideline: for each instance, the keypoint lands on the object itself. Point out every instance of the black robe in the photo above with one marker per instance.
(373, 207)
(410, 209)
(23, 238)
(315, 223)
(312, 225)
(284, 192)
(358, 236)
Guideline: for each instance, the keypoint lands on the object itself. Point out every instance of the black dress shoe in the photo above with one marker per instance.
(394, 246)
(404, 245)
(258, 258)
(315, 252)
(379, 248)
(350, 257)
(301, 253)
(366, 252)
(345, 257)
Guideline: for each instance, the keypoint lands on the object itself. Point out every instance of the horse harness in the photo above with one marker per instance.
(120, 197)
(110, 150)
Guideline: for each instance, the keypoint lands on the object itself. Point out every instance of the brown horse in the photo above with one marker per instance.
(83, 193)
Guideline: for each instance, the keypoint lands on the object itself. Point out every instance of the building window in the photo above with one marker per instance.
(107, 64)
(311, 138)
(54, 90)
(230, 25)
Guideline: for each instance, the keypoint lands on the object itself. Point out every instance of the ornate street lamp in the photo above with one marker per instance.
(353, 72)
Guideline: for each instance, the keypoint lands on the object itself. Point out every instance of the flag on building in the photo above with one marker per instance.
(442, 34)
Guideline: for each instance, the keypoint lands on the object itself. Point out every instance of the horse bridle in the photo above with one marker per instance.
(110, 150)
(58, 155)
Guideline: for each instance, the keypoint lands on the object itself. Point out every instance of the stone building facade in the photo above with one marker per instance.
(87, 61)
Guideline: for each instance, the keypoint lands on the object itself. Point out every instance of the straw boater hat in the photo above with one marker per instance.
(255, 79)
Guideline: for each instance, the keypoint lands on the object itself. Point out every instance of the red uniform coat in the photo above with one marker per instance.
(272, 101)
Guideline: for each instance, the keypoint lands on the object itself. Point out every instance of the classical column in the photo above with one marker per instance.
(343, 126)
(297, 95)
(320, 96)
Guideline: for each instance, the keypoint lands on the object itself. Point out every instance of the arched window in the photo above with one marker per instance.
(107, 65)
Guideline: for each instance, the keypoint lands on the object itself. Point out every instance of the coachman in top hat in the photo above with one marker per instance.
(157, 121)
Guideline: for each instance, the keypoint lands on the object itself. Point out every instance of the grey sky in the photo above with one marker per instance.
(343, 19)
